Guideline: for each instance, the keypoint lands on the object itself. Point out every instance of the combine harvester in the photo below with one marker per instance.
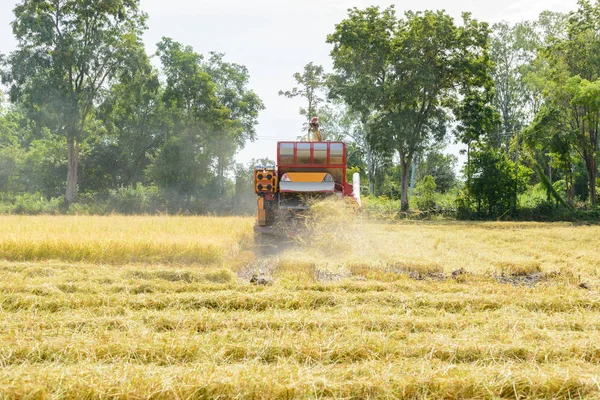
(305, 171)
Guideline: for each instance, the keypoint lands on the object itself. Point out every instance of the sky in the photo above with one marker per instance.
(275, 39)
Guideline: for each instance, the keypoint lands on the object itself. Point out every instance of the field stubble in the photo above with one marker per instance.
(161, 307)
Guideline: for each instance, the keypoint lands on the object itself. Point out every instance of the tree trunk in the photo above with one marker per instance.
(516, 188)
(370, 170)
(591, 167)
(72, 164)
(220, 176)
(570, 186)
(469, 166)
(405, 163)
(413, 173)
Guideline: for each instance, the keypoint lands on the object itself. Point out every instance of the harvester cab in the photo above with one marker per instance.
(304, 171)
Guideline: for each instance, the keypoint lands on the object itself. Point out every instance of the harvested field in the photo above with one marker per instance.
(427, 310)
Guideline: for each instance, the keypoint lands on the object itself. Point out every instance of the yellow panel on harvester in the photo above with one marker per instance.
(306, 176)
(262, 213)
(265, 180)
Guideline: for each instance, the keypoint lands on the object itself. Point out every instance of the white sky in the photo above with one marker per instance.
(276, 38)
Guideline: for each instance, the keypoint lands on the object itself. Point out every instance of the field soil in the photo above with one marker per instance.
(192, 308)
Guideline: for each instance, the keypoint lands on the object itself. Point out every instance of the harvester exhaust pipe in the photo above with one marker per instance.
(356, 188)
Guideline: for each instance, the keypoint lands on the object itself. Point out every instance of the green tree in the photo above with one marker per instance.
(406, 72)
(550, 134)
(493, 181)
(441, 167)
(135, 118)
(512, 49)
(244, 105)
(184, 162)
(311, 83)
(568, 76)
(68, 52)
(212, 114)
(427, 191)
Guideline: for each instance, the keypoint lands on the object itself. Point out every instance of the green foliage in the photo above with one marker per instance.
(567, 75)
(426, 189)
(512, 49)
(33, 204)
(46, 165)
(350, 173)
(136, 121)
(494, 184)
(212, 114)
(311, 83)
(381, 208)
(441, 167)
(405, 73)
(134, 200)
(534, 205)
(83, 82)
(67, 53)
(551, 191)
(12, 160)
(141, 139)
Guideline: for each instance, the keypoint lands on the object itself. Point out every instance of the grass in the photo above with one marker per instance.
(383, 319)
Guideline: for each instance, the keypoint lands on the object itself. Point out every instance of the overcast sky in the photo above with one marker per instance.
(276, 38)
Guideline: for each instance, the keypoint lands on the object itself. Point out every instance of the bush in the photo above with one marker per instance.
(36, 203)
(134, 200)
(426, 200)
(493, 186)
(381, 208)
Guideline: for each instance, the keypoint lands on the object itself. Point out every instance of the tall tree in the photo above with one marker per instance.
(68, 52)
(185, 160)
(407, 72)
(135, 118)
(311, 83)
(569, 78)
(551, 134)
(512, 48)
(231, 89)
(213, 114)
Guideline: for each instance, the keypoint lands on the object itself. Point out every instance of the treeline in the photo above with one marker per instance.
(91, 126)
(522, 99)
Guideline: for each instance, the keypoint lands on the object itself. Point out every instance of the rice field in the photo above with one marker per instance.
(123, 239)
(162, 308)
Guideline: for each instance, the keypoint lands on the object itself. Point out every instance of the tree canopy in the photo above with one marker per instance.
(68, 52)
(91, 118)
(408, 74)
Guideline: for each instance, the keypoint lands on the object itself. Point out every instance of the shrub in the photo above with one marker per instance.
(493, 185)
(133, 200)
(36, 203)
(426, 201)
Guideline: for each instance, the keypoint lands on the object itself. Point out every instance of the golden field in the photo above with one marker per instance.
(123, 239)
(161, 307)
